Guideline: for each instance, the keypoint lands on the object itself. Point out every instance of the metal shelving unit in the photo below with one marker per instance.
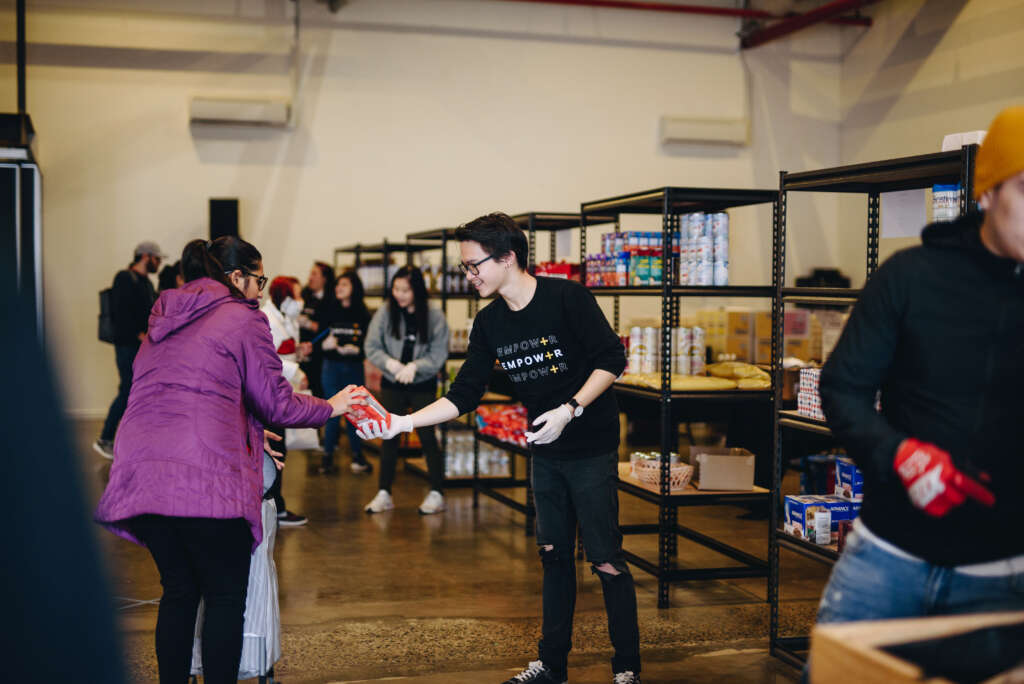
(385, 249)
(670, 203)
(872, 179)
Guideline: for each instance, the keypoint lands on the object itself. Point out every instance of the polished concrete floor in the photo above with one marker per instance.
(455, 597)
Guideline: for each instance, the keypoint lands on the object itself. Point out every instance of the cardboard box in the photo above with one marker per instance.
(852, 651)
(849, 480)
(721, 468)
(800, 510)
(763, 337)
(741, 347)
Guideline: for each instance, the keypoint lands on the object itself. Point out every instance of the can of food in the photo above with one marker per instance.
(703, 274)
(698, 339)
(721, 275)
(648, 363)
(655, 268)
(681, 364)
(650, 341)
(720, 248)
(720, 225)
(695, 225)
(697, 363)
(703, 249)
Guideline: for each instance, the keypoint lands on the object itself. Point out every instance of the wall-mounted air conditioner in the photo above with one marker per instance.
(240, 112)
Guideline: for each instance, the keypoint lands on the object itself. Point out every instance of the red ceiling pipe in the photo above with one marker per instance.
(787, 26)
(689, 9)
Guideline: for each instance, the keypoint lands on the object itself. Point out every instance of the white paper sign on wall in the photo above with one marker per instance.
(904, 213)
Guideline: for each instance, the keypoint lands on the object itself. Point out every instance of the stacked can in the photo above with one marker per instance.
(636, 349)
(720, 248)
(682, 339)
(651, 342)
(698, 341)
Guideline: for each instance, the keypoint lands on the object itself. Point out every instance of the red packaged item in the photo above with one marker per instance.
(372, 410)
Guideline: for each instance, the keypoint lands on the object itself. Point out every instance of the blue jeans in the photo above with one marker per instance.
(336, 376)
(584, 490)
(871, 583)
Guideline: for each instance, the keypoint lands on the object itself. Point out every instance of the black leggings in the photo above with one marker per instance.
(199, 558)
(398, 401)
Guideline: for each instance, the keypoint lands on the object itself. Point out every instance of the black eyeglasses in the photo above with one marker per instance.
(261, 280)
(473, 266)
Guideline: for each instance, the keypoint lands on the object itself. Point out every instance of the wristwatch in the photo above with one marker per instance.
(575, 407)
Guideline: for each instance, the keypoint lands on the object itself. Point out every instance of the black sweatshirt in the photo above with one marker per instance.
(347, 325)
(940, 330)
(549, 349)
(132, 296)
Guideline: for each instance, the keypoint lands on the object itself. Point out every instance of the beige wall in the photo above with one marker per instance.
(412, 114)
(924, 70)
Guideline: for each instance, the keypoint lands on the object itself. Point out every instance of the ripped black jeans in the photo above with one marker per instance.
(583, 490)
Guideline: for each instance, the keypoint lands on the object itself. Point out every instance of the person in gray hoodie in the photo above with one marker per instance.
(408, 341)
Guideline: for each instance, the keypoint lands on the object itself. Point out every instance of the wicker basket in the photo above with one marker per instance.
(649, 473)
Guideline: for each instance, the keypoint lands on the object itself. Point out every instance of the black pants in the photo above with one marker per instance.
(399, 401)
(275, 489)
(124, 354)
(584, 490)
(207, 558)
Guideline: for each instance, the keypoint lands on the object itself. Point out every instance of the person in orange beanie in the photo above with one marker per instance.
(939, 331)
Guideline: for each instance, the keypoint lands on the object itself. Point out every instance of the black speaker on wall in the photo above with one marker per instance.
(223, 217)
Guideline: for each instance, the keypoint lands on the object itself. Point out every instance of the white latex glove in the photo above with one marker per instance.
(348, 350)
(372, 429)
(407, 374)
(393, 366)
(304, 322)
(554, 422)
(330, 343)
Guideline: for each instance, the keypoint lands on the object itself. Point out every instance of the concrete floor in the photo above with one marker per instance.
(455, 597)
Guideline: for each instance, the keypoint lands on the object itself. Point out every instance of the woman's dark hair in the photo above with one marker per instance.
(357, 302)
(419, 294)
(168, 278)
(327, 271)
(203, 259)
(498, 235)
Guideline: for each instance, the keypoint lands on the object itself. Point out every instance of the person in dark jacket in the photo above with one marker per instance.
(187, 481)
(347, 317)
(315, 296)
(939, 330)
(561, 354)
(132, 296)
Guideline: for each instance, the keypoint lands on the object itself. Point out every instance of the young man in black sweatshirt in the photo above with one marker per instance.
(939, 329)
(556, 345)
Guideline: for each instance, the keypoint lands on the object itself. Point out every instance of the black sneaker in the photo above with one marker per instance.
(288, 519)
(626, 677)
(105, 448)
(329, 469)
(535, 673)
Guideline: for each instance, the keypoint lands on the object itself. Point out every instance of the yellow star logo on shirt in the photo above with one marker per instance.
(554, 369)
(549, 356)
(544, 341)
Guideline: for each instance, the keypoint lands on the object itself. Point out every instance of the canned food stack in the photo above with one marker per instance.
(698, 343)
(704, 254)
(627, 259)
(808, 400)
(643, 350)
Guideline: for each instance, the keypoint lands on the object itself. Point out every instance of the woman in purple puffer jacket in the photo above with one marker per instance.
(187, 478)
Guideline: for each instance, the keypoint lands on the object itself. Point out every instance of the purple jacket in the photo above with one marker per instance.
(206, 380)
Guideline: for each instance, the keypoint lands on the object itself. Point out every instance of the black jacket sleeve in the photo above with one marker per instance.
(859, 365)
(601, 344)
(471, 382)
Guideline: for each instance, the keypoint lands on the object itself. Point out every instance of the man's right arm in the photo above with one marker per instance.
(471, 382)
(859, 366)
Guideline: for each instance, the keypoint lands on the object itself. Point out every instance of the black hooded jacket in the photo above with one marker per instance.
(939, 329)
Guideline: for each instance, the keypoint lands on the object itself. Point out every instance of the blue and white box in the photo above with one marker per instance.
(849, 480)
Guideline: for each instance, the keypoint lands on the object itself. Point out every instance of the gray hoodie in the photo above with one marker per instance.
(382, 345)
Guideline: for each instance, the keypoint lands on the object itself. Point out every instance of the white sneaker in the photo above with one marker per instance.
(382, 502)
(434, 503)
